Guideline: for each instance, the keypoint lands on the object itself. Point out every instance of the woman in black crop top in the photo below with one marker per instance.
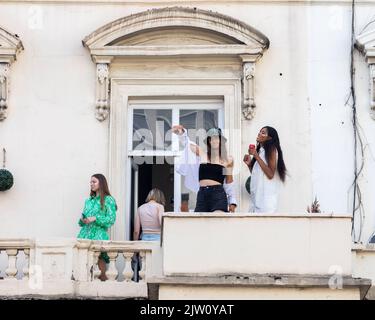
(215, 169)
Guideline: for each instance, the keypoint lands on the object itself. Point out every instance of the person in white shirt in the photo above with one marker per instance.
(267, 168)
(208, 173)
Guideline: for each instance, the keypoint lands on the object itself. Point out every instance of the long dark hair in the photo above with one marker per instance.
(222, 149)
(269, 147)
(103, 189)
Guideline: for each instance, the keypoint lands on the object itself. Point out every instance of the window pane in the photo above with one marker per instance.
(195, 120)
(150, 127)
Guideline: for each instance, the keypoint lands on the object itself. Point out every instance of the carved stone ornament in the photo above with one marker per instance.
(219, 35)
(372, 90)
(10, 46)
(4, 84)
(248, 107)
(102, 91)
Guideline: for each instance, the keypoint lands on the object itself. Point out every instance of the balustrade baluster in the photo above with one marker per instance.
(142, 272)
(128, 272)
(96, 270)
(11, 271)
(25, 269)
(112, 271)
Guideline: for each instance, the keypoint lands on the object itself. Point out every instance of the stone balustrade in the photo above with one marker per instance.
(17, 250)
(69, 268)
(135, 264)
(201, 256)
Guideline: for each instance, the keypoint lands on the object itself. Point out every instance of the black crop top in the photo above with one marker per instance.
(211, 171)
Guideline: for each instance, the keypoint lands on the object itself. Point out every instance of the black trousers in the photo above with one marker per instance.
(211, 198)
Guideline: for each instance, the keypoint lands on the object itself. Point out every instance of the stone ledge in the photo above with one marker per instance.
(66, 297)
(260, 280)
(16, 243)
(20, 289)
(255, 215)
(303, 2)
(370, 247)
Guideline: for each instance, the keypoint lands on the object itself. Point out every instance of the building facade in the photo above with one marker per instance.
(80, 80)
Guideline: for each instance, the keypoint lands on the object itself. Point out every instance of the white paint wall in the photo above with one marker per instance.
(54, 142)
(261, 244)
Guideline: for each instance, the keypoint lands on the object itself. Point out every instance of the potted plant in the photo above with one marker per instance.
(6, 177)
(315, 207)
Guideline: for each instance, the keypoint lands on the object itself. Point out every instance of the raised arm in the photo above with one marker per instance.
(181, 131)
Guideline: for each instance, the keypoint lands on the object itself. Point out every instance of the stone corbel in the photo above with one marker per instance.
(10, 46)
(366, 44)
(102, 88)
(4, 85)
(372, 89)
(248, 86)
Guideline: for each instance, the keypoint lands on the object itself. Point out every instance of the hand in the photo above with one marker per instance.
(230, 163)
(85, 221)
(91, 219)
(247, 159)
(253, 152)
(88, 220)
(232, 207)
(178, 129)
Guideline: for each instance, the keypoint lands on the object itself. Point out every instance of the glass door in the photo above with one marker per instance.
(152, 148)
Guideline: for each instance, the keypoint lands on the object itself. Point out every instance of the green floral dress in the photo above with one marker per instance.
(105, 218)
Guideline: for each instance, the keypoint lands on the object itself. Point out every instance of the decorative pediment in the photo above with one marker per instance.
(175, 31)
(366, 44)
(168, 36)
(10, 46)
(217, 30)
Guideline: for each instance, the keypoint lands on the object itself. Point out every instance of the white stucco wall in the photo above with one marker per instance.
(54, 142)
(174, 292)
(248, 244)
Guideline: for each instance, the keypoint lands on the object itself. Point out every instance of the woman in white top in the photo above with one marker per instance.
(208, 173)
(267, 169)
(149, 216)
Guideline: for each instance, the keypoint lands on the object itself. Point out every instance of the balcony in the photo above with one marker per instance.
(201, 256)
(67, 268)
(242, 256)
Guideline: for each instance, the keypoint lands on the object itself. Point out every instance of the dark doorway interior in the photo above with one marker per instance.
(158, 173)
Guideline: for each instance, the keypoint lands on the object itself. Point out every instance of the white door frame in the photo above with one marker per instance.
(123, 90)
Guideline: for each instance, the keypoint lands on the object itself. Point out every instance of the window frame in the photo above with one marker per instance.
(175, 107)
(125, 89)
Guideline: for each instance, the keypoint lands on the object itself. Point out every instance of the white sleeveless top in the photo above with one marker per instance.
(264, 192)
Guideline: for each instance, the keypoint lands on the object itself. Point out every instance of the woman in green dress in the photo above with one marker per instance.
(98, 215)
